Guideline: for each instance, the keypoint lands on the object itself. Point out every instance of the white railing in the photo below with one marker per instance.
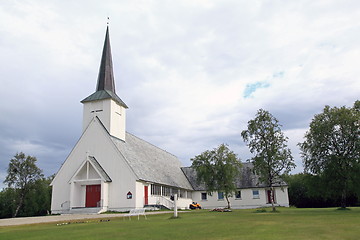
(100, 203)
(65, 206)
(160, 200)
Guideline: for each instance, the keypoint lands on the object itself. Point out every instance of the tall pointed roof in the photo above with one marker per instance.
(105, 83)
(105, 79)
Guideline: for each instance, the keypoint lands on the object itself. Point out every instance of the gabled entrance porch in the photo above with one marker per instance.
(89, 188)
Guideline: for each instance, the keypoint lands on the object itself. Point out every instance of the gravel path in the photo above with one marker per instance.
(63, 218)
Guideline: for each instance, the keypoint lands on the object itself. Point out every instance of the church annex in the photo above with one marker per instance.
(110, 169)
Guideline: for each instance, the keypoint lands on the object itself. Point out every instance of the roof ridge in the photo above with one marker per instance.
(187, 177)
(111, 137)
(102, 170)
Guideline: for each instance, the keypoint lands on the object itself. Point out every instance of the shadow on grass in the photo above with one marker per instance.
(343, 209)
(265, 210)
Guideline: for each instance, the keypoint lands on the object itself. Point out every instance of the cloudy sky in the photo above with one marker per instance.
(192, 72)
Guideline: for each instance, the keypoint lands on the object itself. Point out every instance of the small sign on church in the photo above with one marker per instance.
(129, 195)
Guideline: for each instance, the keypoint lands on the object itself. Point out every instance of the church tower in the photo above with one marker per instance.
(104, 103)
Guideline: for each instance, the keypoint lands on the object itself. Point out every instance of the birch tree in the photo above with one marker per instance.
(22, 173)
(269, 145)
(218, 169)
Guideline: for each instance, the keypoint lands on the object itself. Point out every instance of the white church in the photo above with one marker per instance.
(110, 169)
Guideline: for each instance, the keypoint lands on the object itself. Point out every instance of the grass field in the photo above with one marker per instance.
(289, 223)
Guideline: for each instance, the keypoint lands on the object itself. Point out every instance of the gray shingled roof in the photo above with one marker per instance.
(98, 167)
(104, 94)
(247, 178)
(106, 73)
(151, 163)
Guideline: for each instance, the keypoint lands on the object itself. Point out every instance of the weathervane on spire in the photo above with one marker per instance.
(108, 19)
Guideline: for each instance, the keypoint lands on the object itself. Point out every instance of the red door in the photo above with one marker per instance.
(93, 195)
(146, 197)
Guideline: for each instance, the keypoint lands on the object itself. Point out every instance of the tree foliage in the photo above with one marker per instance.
(7, 202)
(38, 199)
(269, 145)
(331, 149)
(22, 175)
(218, 169)
(36, 202)
(307, 191)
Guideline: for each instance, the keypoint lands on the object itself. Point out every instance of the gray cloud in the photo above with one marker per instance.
(182, 67)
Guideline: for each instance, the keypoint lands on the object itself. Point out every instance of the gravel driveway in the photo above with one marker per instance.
(63, 218)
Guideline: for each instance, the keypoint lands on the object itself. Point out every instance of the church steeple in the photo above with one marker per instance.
(105, 83)
(106, 75)
(104, 103)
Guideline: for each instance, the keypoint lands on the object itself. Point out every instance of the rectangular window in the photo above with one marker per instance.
(165, 191)
(238, 194)
(204, 196)
(174, 191)
(256, 194)
(182, 193)
(220, 195)
(155, 189)
(189, 194)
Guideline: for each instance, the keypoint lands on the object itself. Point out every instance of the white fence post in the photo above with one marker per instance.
(175, 206)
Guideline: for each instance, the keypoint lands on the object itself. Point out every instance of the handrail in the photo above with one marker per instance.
(100, 203)
(65, 205)
(161, 200)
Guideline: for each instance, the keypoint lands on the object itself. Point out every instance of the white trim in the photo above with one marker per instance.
(87, 168)
(77, 171)
(87, 162)
(71, 152)
(87, 180)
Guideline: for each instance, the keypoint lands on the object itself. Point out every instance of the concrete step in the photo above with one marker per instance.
(93, 210)
(156, 207)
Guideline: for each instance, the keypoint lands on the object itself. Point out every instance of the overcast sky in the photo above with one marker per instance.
(193, 72)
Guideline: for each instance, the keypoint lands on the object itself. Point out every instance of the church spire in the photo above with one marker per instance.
(105, 83)
(105, 79)
(104, 104)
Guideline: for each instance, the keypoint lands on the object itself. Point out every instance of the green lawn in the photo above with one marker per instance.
(289, 223)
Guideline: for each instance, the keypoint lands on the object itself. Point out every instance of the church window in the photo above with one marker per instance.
(118, 109)
(155, 189)
(97, 106)
(166, 191)
(96, 111)
(182, 193)
(174, 191)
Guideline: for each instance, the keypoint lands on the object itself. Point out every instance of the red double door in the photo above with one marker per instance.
(93, 195)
